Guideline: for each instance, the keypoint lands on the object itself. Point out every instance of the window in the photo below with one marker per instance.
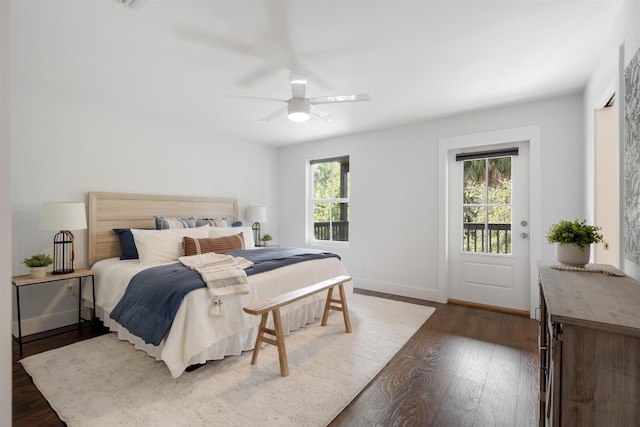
(329, 190)
(487, 201)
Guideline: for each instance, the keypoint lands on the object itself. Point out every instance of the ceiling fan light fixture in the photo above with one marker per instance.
(298, 110)
(298, 116)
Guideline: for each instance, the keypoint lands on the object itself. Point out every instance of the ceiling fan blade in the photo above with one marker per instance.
(279, 112)
(298, 86)
(339, 98)
(257, 98)
(211, 39)
(320, 113)
(260, 73)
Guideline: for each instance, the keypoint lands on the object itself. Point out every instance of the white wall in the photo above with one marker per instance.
(604, 79)
(5, 220)
(67, 142)
(394, 189)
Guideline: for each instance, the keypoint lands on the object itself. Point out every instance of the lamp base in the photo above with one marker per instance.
(63, 253)
(256, 233)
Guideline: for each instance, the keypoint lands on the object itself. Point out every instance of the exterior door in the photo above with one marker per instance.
(489, 261)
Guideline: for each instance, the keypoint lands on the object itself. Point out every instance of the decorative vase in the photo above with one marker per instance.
(569, 254)
(38, 272)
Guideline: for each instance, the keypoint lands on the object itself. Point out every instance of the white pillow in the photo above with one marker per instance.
(159, 246)
(247, 232)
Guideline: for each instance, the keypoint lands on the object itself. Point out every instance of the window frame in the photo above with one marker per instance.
(311, 202)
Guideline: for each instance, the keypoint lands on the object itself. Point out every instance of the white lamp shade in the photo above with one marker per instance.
(63, 216)
(256, 214)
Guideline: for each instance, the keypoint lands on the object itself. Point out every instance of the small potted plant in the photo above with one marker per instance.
(38, 264)
(574, 241)
(266, 239)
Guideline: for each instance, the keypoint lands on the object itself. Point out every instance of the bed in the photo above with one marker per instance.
(194, 336)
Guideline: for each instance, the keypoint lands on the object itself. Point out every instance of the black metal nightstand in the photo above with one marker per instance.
(26, 280)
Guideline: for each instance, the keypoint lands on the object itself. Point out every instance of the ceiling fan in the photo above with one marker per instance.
(299, 108)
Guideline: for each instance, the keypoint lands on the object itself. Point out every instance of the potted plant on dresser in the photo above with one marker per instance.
(573, 241)
(38, 264)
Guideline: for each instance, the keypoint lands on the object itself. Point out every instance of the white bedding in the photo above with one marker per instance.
(195, 336)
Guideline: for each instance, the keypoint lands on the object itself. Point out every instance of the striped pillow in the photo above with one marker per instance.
(219, 245)
(166, 223)
(213, 222)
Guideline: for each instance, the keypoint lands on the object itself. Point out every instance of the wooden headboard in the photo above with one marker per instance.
(124, 210)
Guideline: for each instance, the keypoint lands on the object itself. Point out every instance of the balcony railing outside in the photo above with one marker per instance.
(324, 230)
(474, 235)
(499, 240)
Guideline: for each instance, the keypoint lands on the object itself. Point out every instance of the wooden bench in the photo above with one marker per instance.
(273, 305)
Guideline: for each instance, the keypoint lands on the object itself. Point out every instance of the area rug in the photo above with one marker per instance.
(106, 382)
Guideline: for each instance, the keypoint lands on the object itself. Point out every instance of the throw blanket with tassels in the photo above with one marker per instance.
(223, 274)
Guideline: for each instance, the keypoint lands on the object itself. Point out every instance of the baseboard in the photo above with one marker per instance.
(398, 289)
(43, 323)
(489, 307)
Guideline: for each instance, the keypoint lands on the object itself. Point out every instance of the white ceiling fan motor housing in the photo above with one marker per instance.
(298, 109)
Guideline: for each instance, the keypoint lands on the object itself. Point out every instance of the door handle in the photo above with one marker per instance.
(524, 235)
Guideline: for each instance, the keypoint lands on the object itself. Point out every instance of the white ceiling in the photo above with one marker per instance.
(178, 60)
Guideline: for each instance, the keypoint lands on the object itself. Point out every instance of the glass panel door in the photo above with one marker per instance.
(487, 205)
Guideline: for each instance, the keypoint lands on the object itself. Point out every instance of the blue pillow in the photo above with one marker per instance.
(127, 244)
(237, 224)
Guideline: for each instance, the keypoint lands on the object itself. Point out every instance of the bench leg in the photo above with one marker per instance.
(342, 307)
(345, 309)
(276, 332)
(261, 331)
(282, 350)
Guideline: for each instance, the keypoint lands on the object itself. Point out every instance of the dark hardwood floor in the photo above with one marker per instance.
(464, 367)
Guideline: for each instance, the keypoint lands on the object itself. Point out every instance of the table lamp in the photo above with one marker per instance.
(63, 216)
(256, 214)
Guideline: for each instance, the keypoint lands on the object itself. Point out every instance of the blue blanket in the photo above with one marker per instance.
(154, 295)
(267, 259)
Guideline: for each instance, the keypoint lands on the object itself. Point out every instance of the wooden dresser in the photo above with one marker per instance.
(589, 348)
